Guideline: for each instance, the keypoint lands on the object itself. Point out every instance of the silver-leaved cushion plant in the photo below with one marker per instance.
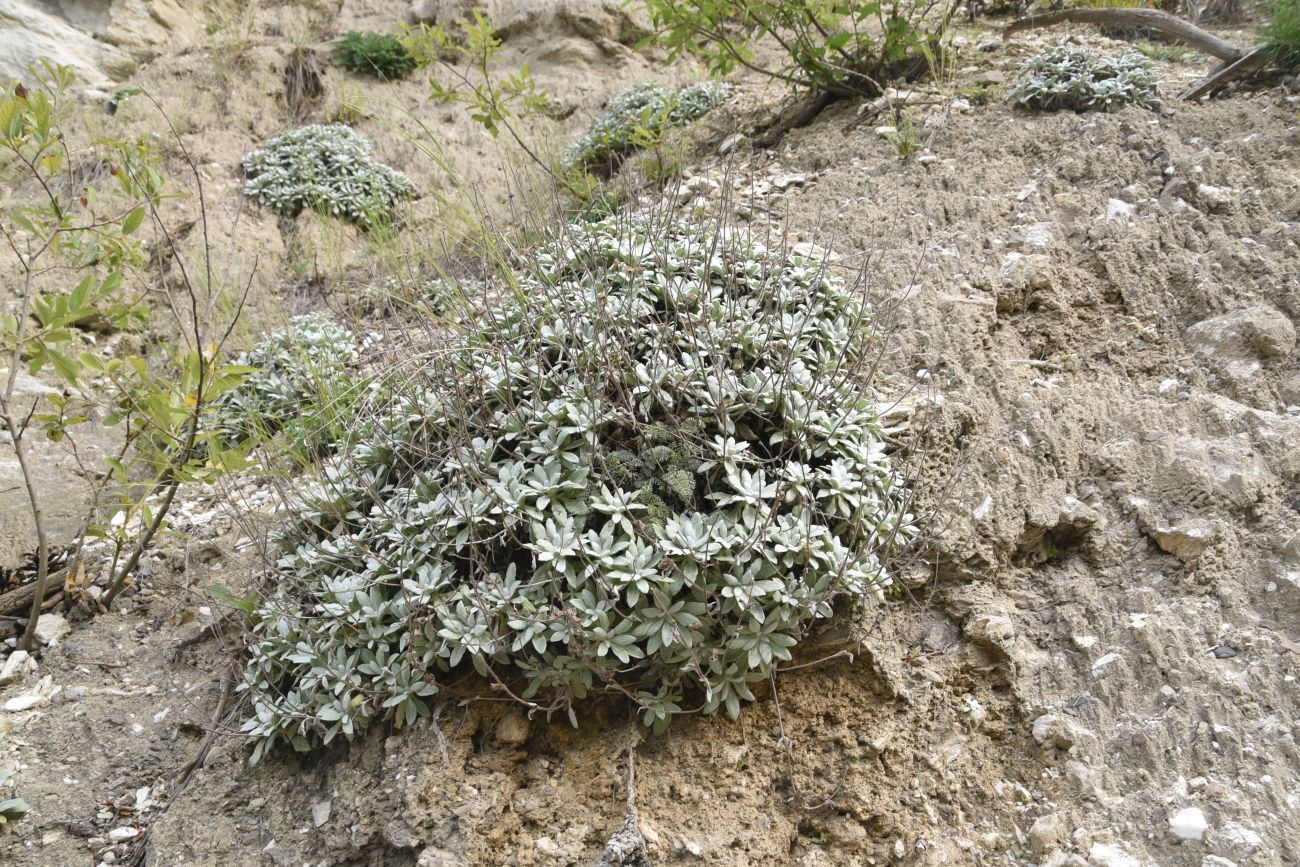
(327, 168)
(1077, 80)
(647, 108)
(298, 376)
(649, 473)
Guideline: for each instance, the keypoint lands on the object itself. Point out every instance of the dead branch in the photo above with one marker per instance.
(1152, 19)
(187, 770)
(20, 598)
(793, 117)
(1252, 61)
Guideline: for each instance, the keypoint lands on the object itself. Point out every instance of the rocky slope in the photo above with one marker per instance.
(1094, 350)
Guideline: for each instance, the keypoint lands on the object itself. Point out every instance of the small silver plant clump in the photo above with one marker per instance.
(291, 370)
(650, 473)
(1069, 78)
(647, 108)
(327, 168)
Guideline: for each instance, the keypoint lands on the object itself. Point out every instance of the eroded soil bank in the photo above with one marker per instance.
(1094, 327)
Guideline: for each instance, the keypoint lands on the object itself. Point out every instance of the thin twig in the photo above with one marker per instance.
(188, 769)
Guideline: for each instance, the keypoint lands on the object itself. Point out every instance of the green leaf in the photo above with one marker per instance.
(117, 469)
(111, 283)
(247, 604)
(133, 220)
(79, 295)
(25, 223)
(67, 368)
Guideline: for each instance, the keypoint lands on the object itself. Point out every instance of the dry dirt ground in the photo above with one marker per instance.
(1094, 329)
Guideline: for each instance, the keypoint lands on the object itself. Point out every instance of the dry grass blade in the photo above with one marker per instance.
(303, 85)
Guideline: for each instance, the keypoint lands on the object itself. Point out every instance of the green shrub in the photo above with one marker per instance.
(649, 473)
(83, 250)
(1282, 33)
(326, 168)
(1074, 79)
(300, 382)
(376, 54)
(638, 117)
(847, 49)
(467, 55)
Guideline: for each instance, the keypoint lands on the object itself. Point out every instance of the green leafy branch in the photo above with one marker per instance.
(73, 226)
(492, 98)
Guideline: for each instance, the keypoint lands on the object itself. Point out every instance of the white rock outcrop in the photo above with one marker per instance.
(102, 39)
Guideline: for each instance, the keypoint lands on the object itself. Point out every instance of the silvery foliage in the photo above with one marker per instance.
(649, 473)
(1070, 78)
(294, 367)
(326, 167)
(435, 295)
(645, 108)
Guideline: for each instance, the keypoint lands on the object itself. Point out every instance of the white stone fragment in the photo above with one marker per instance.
(1111, 855)
(1214, 197)
(1188, 824)
(1238, 839)
(51, 629)
(1118, 209)
(18, 664)
(1102, 664)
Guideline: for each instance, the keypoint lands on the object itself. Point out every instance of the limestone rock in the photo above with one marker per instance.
(400, 835)
(23, 702)
(509, 19)
(1237, 840)
(1045, 833)
(1100, 665)
(1111, 855)
(435, 857)
(1060, 732)
(846, 833)
(1188, 824)
(102, 40)
(992, 630)
(44, 690)
(1235, 343)
(1186, 540)
(51, 629)
(1213, 197)
(605, 22)
(16, 667)
(627, 848)
(145, 27)
(512, 729)
(28, 33)
(1117, 209)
